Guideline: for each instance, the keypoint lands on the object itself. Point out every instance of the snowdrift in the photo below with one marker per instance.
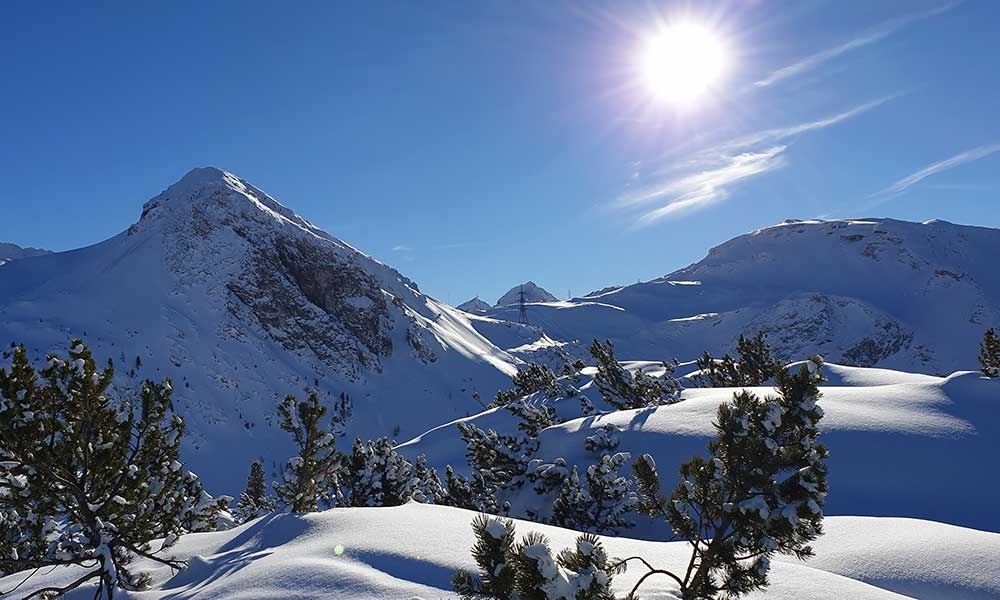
(411, 552)
(900, 444)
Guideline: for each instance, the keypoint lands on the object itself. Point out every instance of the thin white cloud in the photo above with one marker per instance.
(877, 34)
(961, 158)
(697, 190)
(402, 248)
(781, 133)
(709, 174)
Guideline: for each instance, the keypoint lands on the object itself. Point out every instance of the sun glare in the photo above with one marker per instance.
(682, 62)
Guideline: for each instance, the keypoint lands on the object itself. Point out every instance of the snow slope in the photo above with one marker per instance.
(869, 292)
(900, 444)
(411, 552)
(241, 301)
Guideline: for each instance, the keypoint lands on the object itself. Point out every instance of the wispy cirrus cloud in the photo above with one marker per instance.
(710, 174)
(959, 159)
(402, 248)
(696, 190)
(870, 37)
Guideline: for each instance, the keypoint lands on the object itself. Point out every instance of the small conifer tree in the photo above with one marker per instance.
(754, 367)
(624, 390)
(604, 502)
(535, 378)
(310, 478)
(254, 501)
(526, 570)
(87, 481)
(989, 353)
(761, 492)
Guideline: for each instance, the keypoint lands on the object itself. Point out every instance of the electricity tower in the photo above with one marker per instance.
(522, 308)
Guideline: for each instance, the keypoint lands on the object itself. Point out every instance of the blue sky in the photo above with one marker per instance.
(474, 145)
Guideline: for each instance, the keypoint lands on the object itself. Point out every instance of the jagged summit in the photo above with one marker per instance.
(241, 301)
(532, 293)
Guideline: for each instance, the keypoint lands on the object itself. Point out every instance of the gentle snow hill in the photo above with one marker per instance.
(866, 292)
(410, 552)
(241, 301)
(532, 293)
(900, 444)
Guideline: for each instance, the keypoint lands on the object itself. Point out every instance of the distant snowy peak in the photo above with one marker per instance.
(532, 293)
(863, 292)
(9, 252)
(474, 306)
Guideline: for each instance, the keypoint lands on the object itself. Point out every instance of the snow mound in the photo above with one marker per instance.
(900, 444)
(411, 552)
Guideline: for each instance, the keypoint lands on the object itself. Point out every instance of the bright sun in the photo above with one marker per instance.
(682, 61)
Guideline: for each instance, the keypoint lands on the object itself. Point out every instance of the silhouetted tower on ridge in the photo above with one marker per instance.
(522, 308)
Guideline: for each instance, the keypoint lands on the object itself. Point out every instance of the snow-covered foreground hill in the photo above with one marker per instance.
(901, 444)
(868, 292)
(410, 552)
(241, 301)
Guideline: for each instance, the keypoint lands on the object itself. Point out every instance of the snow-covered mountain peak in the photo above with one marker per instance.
(210, 192)
(532, 293)
(223, 288)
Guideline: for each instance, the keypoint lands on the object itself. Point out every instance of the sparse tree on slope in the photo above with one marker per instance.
(85, 481)
(526, 570)
(254, 501)
(604, 503)
(535, 378)
(310, 478)
(989, 353)
(761, 492)
(756, 365)
(623, 390)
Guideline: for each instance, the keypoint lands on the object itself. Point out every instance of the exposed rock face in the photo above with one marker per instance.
(241, 301)
(858, 334)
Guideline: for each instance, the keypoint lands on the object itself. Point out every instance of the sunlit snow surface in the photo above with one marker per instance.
(901, 444)
(411, 552)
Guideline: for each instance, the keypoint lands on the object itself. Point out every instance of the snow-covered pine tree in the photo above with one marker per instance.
(310, 478)
(376, 475)
(535, 378)
(86, 481)
(604, 503)
(429, 489)
(603, 440)
(533, 416)
(526, 570)
(760, 492)
(623, 390)
(500, 460)
(254, 501)
(471, 493)
(989, 353)
(755, 366)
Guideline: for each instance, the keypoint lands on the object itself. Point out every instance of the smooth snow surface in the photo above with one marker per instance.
(900, 444)
(411, 552)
